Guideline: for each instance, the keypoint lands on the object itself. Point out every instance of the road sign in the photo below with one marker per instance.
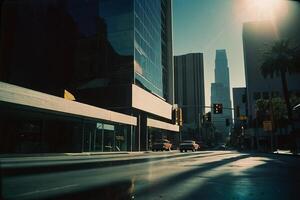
(68, 95)
(267, 125)
(243, 117)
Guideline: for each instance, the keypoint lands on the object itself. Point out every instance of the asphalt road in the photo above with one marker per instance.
(165, 175)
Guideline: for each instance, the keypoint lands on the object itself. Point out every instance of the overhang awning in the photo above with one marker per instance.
(145, 101)
(22, 96)
(162, 125)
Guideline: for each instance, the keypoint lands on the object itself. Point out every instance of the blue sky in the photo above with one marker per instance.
(206, 25)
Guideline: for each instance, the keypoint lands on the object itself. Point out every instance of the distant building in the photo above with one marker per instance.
(240, 114)
(189, 92)
(220, 94)
(239, 105)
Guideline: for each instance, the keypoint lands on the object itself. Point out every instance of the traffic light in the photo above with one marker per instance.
(208, 116)
(180, 120)
(178, 116)
(218, 108)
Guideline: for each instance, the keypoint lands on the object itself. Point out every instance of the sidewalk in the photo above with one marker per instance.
(285, 152)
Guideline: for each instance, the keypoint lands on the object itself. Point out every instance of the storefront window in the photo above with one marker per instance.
(27, 131)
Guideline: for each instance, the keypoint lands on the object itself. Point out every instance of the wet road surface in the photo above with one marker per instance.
(167, 175)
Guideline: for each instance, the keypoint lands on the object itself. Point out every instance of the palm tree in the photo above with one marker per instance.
(279, 60)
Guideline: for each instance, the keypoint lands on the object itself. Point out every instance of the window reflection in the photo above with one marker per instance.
(83, 46)
(148, 41)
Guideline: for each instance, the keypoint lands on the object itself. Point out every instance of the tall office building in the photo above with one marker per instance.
(189, 92)
(257, 39)
(220, 94)
(115, 55)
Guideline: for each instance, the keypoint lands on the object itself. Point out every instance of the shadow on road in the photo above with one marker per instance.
(237, 177)
(125, 189)
(270, 180)
(178, 179)
(115, 191)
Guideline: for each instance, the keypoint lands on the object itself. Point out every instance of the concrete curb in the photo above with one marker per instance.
(272, 153)
(286, 154)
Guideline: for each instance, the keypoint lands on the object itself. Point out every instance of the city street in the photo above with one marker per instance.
(156, 175)
(149, 100)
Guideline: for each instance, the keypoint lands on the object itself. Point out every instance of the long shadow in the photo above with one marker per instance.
(267, 181)
(115, 191)
(124, 190)
(178, 179)
(226, 186)
(89, 164)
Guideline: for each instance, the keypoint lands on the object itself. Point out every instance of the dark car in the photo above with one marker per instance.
(203, 146)
(221, 147)
(162, 145)
(188, 145)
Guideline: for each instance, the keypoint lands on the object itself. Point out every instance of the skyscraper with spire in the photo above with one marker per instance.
(220, 94)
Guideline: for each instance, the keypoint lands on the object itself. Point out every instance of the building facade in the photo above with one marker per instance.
(220, 94)
(239, 104)
(239, 136)
(115, 55)
(257, 39)
(189, 92)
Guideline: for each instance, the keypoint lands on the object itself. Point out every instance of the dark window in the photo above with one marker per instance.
(256, 95)
(265, 95)
(275, 94)
(244, 98)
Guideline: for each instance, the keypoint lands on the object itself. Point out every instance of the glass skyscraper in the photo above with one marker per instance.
(220, 94)
(113, 54)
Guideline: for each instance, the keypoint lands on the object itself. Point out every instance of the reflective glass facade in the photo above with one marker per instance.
(148, 45)
(83, 46)
(89, 47)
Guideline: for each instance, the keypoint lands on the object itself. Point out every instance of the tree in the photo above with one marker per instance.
(275, 107)
(279, 60)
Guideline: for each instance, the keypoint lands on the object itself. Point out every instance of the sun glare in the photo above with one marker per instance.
(257, 10)
(267, 9)
(263, 5)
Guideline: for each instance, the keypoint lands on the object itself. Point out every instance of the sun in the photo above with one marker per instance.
(250, 10)
(263, 5)
(267, 9)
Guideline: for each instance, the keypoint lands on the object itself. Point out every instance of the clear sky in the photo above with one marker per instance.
(206, 25)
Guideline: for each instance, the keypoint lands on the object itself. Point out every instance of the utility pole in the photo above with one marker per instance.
(272, 121)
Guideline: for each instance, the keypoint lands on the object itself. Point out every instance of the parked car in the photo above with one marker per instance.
(188, 145)
(162, 145)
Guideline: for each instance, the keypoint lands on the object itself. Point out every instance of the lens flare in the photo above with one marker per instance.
(267, 9)
(258, 10)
